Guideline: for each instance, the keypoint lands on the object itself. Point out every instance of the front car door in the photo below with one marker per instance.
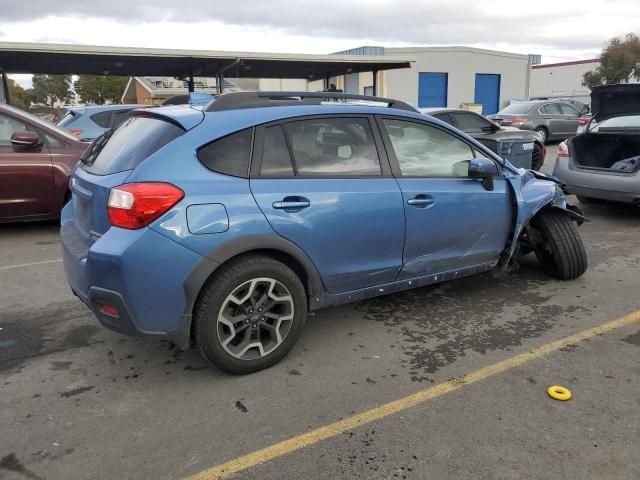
(324, 184)
(452, 221)
(25, 174)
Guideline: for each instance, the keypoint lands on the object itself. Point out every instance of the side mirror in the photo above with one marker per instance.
(25, 139)
(483, 169)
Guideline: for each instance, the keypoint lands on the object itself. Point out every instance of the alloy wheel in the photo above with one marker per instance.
(255, 318)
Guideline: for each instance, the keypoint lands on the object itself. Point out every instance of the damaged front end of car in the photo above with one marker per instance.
(534, 193)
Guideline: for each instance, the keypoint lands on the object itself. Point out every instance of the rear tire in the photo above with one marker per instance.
(561, 253)
(543, 133)
(250, 315)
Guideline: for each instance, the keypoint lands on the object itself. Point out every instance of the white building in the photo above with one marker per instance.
(561, 79)
(452, 76)
(447, 77)
(438, 77)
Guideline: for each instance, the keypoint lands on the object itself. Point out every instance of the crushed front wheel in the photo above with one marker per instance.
(560, 251)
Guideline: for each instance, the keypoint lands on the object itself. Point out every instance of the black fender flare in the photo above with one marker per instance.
(233, 248)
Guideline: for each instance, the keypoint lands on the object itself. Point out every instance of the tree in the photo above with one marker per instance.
(100, 88)
(18, 96)
(619, 62)
(49, 89)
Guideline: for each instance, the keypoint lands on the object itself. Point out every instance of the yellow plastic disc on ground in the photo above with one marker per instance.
(559, 393)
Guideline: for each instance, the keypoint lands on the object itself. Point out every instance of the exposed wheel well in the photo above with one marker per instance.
(278, 255)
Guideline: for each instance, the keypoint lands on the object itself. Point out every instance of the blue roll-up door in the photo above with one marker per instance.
(488, 92)
(432, 89)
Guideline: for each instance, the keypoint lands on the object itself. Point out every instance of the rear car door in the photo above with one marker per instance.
(324, 184)
(570, 119)
(553, 119)
(25, 174)
(452, 221)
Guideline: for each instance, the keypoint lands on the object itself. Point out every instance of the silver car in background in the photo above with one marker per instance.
(551, 119)
(604, 161)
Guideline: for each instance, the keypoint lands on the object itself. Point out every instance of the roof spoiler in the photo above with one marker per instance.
(237, 100)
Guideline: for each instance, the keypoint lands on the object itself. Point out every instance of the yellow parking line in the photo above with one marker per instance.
(20, 265)
(295, 443)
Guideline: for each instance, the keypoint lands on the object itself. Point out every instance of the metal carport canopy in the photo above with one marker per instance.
(50, 58)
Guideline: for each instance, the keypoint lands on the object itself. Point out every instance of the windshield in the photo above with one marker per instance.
(41, 123)
(517, 108)
(629, 123)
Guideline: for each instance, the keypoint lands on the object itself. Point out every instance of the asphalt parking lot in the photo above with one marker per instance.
(78, 401)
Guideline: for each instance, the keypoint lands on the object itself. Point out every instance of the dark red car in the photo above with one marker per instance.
(36, 159)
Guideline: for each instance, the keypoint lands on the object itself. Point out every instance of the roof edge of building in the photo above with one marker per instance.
(564, 64)
(454, 48)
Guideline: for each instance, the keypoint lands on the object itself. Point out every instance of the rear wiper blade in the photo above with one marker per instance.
(90, 155)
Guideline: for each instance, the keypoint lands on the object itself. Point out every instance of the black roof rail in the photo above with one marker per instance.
(237, 100)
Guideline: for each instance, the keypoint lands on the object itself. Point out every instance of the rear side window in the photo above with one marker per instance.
(101, 119)
(126, 147)
(229, 155)
(333, 147)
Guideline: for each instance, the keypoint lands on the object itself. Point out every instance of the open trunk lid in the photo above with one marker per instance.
(609, 101)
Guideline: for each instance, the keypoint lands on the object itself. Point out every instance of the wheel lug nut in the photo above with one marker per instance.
(260, 309)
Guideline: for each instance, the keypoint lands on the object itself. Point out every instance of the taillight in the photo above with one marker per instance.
(136, 205)
(75, 131)
(519, 121)
(583, 120)
(563, 150)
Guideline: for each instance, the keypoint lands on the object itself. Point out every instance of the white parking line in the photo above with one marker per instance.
(43, 262)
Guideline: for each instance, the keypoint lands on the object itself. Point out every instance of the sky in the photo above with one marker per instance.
(559, 30)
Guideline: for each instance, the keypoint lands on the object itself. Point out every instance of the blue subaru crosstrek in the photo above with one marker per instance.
(221, 227)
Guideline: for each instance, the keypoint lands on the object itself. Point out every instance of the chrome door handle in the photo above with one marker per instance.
(292, 203)
(284, 205)
(421, 201)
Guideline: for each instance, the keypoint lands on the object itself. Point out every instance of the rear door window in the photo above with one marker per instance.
(333, 147)
(229, 155)
(550, 109)
(569, 110)
(446, 118)
(126, 147)
(472, 123)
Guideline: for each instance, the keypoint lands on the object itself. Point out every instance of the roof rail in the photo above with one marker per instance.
(237, 100)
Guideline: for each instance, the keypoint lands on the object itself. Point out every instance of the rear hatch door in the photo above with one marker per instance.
(108, 163)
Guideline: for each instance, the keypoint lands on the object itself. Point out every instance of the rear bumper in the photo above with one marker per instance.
(150, 280)
(617, 187)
